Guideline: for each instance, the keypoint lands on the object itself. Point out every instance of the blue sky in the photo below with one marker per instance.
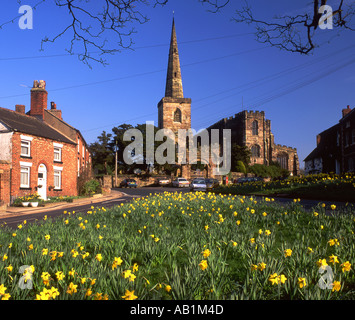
(224, 71)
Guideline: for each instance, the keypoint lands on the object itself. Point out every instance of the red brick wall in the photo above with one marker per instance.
(83, 155)
(42, 151)
(4, 182)
(38, 102)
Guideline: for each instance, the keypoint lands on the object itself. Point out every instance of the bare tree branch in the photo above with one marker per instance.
(295, 33)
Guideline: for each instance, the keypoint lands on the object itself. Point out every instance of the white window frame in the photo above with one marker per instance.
(57, 151)
(58, 174)
(26, 143)
(25, 167)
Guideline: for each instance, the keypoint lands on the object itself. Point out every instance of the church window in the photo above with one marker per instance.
(177, 115)
(282, 159)
(255, 128)
(255, 151)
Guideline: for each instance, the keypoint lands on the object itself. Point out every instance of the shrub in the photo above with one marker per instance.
(240, 167)
(91, 187)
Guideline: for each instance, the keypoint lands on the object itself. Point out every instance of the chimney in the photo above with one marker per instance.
(318, 139)
(346, 111)
(55, 111)
(38, 99)
(20, 108)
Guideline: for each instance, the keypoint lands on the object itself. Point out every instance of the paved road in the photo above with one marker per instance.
(129, 194)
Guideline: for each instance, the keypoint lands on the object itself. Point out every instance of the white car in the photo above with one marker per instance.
(180, 182)
(162, 182)
(198, 184)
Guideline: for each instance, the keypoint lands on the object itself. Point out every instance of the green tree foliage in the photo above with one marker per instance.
(240, 154)
(103, 154)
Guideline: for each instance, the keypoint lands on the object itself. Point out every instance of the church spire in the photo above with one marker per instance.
(173, 87)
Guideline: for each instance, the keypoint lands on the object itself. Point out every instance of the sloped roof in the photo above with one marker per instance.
(327, 143)
(16, 121)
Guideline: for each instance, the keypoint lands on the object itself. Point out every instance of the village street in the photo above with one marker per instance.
(15, 216)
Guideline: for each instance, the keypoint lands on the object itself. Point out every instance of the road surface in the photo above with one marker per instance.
(129, 194)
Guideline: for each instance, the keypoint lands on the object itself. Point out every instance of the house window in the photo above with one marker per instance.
(177, 115)
(347, 139)
(350, 164)
(353, 136)
(25, 148)
(57, 179)
(255, 128)
(57, 154)
(25, 177)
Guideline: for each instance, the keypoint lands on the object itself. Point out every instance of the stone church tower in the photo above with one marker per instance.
(174, 111)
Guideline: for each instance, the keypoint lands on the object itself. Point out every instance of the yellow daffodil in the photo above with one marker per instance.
(203, 264)
(129, 295)
(288, 252)
(206, 253)
(346, 266)
(336, 286)
(302, 282)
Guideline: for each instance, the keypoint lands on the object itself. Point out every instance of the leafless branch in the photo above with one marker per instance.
(88, 28)
(295, 33)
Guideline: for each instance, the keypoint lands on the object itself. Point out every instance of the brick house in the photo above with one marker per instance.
(39, 152)
(335, 151)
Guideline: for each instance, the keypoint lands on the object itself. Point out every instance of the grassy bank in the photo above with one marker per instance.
(319, 187)
(182, 246)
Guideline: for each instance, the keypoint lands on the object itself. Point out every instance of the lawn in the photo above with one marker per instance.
(326, 187)
(182, 246)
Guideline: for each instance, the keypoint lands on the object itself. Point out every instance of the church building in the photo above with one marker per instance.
(248, 128)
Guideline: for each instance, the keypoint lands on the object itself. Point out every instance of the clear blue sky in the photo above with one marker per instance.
(221, 64)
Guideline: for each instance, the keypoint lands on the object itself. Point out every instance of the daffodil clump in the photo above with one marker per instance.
(328, 186)
(182, 246)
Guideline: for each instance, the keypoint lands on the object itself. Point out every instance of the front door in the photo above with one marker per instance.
(42, 181)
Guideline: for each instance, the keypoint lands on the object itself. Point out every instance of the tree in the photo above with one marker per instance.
(100, 27)
(239, 153)
(118, 144)
(102, 154)
(295, 33)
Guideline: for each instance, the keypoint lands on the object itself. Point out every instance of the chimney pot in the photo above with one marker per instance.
(346, 111)
(53, 105)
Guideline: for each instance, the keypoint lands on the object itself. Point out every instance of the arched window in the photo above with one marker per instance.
(255, 128)
(177, 115)
(282, 159)
(255, 151)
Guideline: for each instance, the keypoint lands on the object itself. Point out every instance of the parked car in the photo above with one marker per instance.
(162, 181)
(128, 183)
(248, 179)
(180, 182)
(198, 184)
(211, 183)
